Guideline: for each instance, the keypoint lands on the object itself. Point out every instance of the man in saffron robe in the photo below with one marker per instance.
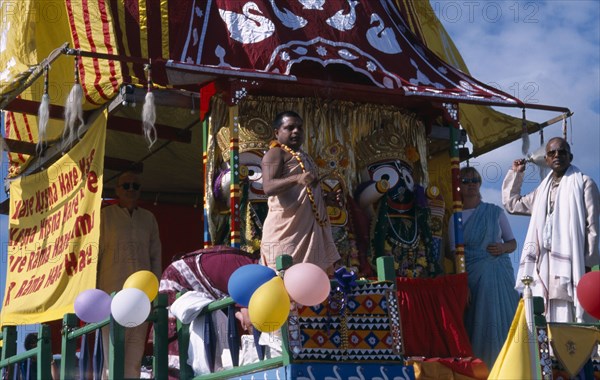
(297, 223)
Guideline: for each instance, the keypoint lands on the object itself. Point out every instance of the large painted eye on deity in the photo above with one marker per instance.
(408, 179)
(387, 172)
(254, 173)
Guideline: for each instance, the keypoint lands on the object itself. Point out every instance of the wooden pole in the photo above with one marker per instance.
(206, 238)
(456, 198)
(234, 165)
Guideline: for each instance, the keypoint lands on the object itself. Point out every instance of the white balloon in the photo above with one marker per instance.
(130, 307)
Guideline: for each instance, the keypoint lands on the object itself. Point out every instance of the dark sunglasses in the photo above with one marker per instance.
(556, 152)
(127, 186)
(470, 180)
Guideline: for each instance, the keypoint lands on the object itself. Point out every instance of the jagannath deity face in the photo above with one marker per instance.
(252, 172)
(332, 161)
(401, 182)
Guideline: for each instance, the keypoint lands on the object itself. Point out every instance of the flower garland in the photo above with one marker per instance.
(311, 197)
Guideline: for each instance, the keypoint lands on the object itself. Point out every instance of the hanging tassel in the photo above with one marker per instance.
(149, 112)
(543, 170)
(73, 111)
(564, 127)
(571, 129)
(524, 135)
(43, 116)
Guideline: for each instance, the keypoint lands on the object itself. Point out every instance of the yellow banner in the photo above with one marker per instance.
(573, 345)
(514, 362)
(54, 227)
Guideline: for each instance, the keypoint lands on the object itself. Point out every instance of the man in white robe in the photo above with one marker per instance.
(562, 238)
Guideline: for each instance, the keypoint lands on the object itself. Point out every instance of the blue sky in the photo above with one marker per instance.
(545, 52)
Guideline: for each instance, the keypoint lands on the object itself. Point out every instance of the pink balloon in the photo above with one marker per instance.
(307, 284)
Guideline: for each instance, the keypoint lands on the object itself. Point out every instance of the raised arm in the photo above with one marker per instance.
(513, 201)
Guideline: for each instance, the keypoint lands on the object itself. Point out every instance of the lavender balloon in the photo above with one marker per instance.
(92, 305)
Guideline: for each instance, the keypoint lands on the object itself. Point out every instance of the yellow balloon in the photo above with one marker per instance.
(269, 305)
(145, 281)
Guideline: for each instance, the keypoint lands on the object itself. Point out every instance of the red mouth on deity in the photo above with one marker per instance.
(257, 189)
(401, 207)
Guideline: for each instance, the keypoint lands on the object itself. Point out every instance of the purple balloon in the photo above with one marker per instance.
(92, 305)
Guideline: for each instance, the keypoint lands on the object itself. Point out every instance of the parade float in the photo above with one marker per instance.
(185, 92)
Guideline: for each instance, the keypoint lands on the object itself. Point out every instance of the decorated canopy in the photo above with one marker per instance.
(377, 51)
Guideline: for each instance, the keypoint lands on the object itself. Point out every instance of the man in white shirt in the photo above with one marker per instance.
(129, 242)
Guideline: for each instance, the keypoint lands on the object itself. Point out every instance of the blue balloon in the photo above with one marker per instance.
(246, 279)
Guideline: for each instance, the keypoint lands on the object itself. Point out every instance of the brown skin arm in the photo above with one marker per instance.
(272, 167)
(519, 165)
(244, 318)
(497, 249)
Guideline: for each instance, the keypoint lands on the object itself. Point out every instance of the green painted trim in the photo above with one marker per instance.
(385, 269)
(68, 362)
(243, 370)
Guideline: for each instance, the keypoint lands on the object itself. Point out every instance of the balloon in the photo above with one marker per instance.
(145, 281)
(130, 307)
(588, 295)
(246, 279)
(92, 305)
(269, 306)
(307, 284)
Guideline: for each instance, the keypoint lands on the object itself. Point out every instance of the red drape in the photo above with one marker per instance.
(432, 316)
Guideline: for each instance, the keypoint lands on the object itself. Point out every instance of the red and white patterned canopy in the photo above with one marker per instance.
(278, 37)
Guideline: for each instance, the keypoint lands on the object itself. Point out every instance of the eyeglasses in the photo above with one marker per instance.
(556, 152)
(470, 180)
(127, 186)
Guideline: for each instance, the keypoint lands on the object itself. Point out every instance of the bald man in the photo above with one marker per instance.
(562, 238)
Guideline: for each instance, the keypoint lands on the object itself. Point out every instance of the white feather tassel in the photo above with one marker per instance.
(525, 139)
(73, 116)
(524, 135)
(43, 117)
(148, 119)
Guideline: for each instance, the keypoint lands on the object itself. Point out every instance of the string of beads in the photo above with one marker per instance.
(322, 220)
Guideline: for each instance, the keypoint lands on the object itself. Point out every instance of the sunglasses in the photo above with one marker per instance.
(470, 180)
(127, 186)
(556, 152)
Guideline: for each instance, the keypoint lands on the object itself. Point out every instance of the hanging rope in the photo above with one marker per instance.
(564, 128)
(73, 111)
(149, 111)
(43, 115)
(524, 135)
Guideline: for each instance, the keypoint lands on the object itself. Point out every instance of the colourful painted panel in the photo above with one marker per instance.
(360, 323)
